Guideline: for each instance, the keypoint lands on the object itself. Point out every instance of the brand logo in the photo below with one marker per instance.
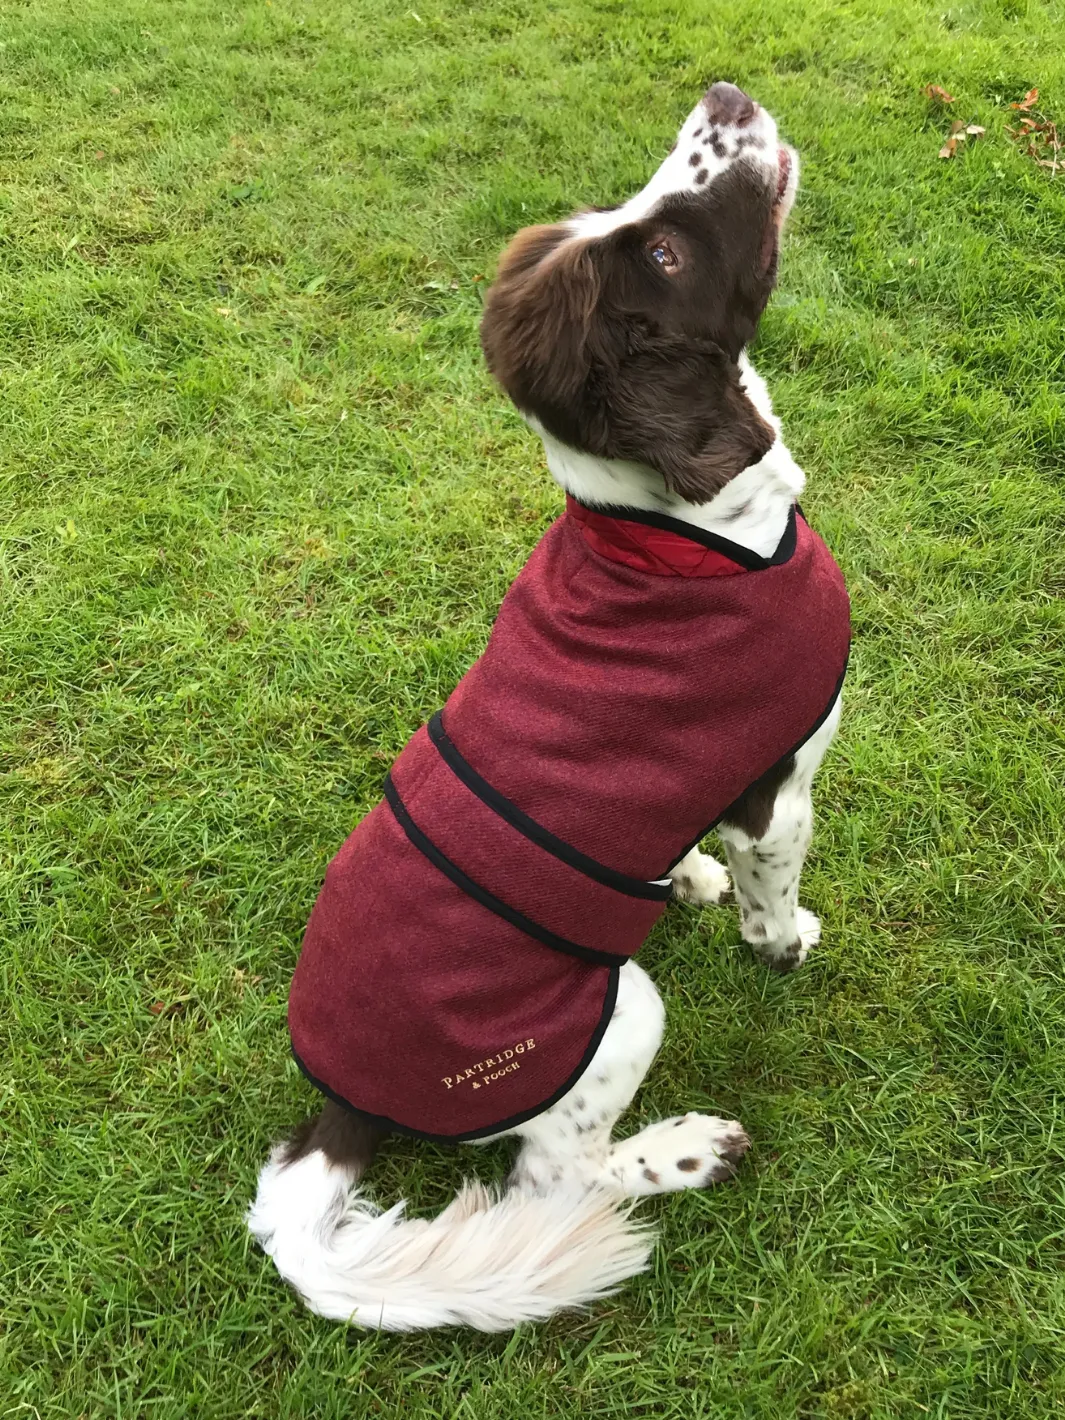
(484, 1072)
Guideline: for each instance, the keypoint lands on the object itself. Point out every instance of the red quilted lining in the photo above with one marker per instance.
(647, 549)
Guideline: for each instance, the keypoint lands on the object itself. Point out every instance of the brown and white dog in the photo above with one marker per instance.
(620, 335)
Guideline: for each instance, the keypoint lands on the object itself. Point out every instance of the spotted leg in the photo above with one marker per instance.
(766, 874)
(570, 1144)
(766, 836)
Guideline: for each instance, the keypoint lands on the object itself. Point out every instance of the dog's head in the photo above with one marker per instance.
(619, 331)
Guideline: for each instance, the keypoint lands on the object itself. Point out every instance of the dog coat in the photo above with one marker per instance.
(461, 963)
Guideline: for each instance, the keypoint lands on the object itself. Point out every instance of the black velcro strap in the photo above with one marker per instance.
(483, 896)
(557, 847)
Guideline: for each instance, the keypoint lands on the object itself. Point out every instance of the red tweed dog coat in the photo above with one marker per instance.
(461, 963)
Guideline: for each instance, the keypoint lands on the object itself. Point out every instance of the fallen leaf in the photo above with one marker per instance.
(975, 130)
(99, 155)
(957, 130)
(937, 94)
(242, 979)
(253, 191)
(948, 148)
(157, 1008)
(1037, 137)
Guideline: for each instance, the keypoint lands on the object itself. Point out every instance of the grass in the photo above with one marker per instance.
(258, 504)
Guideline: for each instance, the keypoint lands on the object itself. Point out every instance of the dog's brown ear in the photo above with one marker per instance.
(741, 438)
(537, 322)
(560, 335)
(683, 410)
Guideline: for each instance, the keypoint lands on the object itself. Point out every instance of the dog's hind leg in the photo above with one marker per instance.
(569, 1145)
(485, 1261)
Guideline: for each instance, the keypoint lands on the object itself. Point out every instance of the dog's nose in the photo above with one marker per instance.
(728, 105)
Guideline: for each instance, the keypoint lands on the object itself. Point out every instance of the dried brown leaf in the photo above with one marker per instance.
(957, 129)
(937, 94)
(1028, 100)
(975, 130)
(947, 150)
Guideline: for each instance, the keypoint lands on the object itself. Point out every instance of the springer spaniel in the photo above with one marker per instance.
(669, 660)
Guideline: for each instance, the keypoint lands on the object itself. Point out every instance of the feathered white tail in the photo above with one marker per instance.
(488, 1262)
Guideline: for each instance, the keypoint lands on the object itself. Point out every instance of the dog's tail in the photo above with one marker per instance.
(486, 1261)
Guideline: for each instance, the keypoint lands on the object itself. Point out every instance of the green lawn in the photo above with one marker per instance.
(258, 504)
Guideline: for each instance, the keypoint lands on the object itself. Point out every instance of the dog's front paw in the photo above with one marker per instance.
(700, 879)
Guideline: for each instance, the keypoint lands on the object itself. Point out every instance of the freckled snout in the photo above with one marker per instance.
(728, 106)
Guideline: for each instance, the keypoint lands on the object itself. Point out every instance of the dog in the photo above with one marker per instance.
(669, 660)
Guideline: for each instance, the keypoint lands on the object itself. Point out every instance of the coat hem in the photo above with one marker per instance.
(486, 1131)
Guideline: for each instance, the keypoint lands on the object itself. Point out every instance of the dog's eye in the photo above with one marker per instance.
(664, 255)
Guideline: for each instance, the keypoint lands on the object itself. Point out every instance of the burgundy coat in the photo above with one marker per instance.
(461, 963)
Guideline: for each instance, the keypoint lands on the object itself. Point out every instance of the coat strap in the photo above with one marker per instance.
(658, 891)
(479, 894)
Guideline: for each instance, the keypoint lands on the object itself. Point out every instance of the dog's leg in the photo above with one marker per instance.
(570, 1145)
(485, 1261)
(690, 1151)
(767, 834)
(766, 874)
(700, 879)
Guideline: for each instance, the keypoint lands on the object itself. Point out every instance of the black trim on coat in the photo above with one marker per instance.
(529, 828)
(609, 1002)
(479, 894)
(794, 750)
(734, 551)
